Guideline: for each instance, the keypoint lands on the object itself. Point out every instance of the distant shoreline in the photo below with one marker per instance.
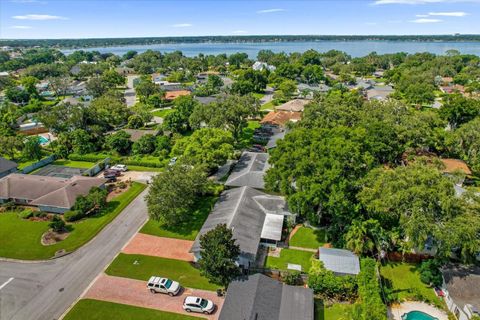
(117, 42)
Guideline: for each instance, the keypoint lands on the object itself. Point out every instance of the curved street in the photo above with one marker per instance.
(44, 290)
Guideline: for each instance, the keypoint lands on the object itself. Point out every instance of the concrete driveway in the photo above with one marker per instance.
(44, 290)
(134, 292)
(130, 94)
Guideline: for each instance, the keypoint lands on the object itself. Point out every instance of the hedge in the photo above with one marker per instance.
(115, 159)
(369, 292)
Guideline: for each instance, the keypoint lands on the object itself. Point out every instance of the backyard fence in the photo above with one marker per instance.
(99, 166)
(39, 164)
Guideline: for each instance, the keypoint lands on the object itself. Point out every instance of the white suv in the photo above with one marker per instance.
(163, 285)
(119, 167)
(196, 304)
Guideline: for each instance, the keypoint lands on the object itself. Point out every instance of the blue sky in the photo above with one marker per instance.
(127, 18)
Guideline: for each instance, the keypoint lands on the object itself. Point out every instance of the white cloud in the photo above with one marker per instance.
(380, 2)
(20, 27)
(39, 17)
(449, 14)
(182, 25)
(421, 15)
(425, 20)
(239, 32)
(270, 10)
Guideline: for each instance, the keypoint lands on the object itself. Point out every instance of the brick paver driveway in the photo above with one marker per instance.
(134, 292)
(160, 247)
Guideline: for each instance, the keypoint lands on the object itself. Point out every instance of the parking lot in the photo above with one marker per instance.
(134, 292)
(52, 170)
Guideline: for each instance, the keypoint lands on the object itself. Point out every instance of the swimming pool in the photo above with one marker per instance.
(417, 315)
(42, 140)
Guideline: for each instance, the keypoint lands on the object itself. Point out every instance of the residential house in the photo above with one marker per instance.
(256, 218)
(249, 171)
(50, 194)
(172, 95)
(339, 261)
(379, 92)
(124, 70)
(279, 119)
(461, 288)
(295, 105)
(136, 134)
(7, 167)
(453, 89)
(259, 66)
(258, 297)
(363, 84)
(378, 74)
(453, 166)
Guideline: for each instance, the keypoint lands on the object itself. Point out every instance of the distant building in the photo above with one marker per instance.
(339, 261)
(461, 288)
(295, 105)
(258, 297)
(172, 95)
(280, 118)
(136, 134)
(259, 66)
(379, 92)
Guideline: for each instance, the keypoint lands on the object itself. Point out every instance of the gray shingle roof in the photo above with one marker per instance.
(244, 210)
(272, 142)
(6, 165)
(463, 285)
(339, 261)
(259, 297)
(249, 171)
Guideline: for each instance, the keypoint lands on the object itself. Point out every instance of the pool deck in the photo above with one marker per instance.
(397, 310)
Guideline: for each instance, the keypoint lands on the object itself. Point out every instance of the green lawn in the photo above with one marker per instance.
(404, 280)
(336, 311)
(142, 267)
(20, 238)
(186, 231)
(268, 106)
(147, 169)
(258, 95)
(246, 138)
(162, 113)
(74, 164)
(101, 310)
(308, 238)
(302, 258)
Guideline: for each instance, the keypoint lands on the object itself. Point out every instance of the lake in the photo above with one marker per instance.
(353, 48)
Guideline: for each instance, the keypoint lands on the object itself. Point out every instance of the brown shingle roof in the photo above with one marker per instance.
(280, 118)
(296, 105)
(172, 95)
(136, 134)
(46, 191)
(452, 165)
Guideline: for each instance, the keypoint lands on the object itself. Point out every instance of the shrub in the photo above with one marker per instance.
(292, 278)
(57, 224)
(430, 273)
(26, 214)
(73, 215)
(329, 286)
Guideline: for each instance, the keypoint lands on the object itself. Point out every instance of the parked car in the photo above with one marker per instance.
(110, 172)
(163, 285)
(197, 304)
(119, 167)
(111, 178)
(172, 161)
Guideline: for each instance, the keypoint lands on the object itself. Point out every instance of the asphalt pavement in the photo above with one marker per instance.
(44, 290)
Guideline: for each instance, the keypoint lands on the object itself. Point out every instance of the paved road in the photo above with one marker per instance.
(44, 290)
(130, 94)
